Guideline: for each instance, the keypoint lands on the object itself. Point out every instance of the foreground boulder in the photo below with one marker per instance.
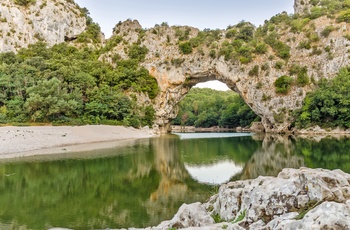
(295, 199)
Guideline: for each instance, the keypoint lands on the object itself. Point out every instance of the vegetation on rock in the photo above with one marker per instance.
(24, 2)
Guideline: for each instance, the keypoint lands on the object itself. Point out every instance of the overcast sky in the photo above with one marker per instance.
(217, 14)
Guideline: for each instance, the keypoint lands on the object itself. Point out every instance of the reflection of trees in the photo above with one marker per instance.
(209, 151)
(79, 194)
(137, 185)
(330, 153)
(277, 152)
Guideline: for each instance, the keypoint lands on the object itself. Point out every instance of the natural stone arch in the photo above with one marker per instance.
(175, 87)
(174, 92)
(176, 72)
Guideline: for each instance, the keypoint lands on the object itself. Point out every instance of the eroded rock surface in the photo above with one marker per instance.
(296, 199)
(50, 21)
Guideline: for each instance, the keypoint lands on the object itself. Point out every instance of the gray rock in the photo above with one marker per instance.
(296, 199)
(50, 21)
(189, 215)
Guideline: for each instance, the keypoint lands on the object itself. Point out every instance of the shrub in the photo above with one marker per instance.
(302, 79)
(254, 71)
(279, 65)
(261, 48)
(185, 47)
(265, 66)
(283, 84)
(177, 61)
(212, 53)
(326, 31)
(282, 50)
(279, 117)
(231, 33)
(246, 33)
(137, 52)
(304, 45)
(317, 12)
(24, 2)
(344, 16)
(298, 24)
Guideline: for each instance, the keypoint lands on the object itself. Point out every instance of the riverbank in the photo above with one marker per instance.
(32, 140)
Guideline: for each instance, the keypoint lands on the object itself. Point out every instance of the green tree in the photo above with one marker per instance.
(328, 106)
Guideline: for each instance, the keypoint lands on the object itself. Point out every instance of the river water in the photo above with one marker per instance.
(144, 182)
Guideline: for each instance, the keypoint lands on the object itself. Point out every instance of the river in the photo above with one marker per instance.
(144, 182)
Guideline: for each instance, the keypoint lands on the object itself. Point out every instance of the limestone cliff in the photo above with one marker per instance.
(319, 46)
(50, 21)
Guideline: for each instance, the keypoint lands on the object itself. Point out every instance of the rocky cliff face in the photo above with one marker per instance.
(177, 72)
(50, 21)
(302, 6)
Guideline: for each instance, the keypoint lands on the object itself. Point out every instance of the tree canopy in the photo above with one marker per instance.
(64, 84)
(328, 106)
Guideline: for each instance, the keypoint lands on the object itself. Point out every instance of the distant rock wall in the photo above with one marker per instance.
(50, 21)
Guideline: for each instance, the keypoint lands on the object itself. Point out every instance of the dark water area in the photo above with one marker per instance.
(144, 182)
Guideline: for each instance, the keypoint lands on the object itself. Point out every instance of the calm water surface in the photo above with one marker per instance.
(145, 181)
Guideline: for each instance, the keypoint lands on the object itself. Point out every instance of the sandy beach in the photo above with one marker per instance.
(38, 140)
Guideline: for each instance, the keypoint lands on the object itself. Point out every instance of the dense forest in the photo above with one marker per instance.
(64, 84)
(208, 107)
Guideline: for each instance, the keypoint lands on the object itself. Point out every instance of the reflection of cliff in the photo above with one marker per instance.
(173, 188)
(170, 168)
(277, 153)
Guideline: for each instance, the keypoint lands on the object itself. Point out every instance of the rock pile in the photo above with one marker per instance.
(295, 199)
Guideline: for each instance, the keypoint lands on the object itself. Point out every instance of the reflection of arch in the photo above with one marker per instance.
(175, 186)
(172, 171)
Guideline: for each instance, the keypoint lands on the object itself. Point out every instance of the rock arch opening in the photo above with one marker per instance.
(217, 108)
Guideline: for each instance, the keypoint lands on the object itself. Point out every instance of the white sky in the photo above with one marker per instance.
(202, 14)
(197, 13)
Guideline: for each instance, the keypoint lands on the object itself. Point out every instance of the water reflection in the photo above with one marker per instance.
(144, 182)
(215, 174)
(276, 153)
